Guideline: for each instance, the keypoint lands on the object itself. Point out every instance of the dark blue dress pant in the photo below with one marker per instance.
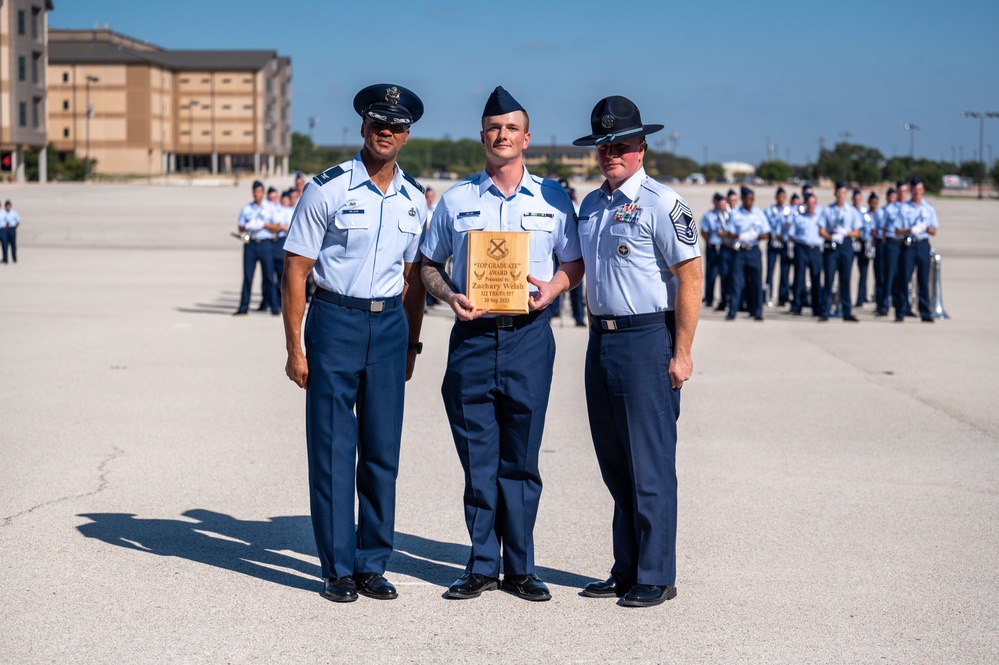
(891, 269)
(495, 390)
(633, 412)
(837, 261)
(354, 405)
(747, 280)
(807, 263)
(255, 252)
(712, 271)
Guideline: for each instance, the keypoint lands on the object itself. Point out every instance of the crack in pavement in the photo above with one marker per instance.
(102, 478)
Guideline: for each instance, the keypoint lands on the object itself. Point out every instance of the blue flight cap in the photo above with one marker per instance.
(272, 189)
(717, 197)
(795, 197)
(840, 185)
(916, 181)
(780, 190)
(873, 196)
(501, 102)
(805, 186)
(389, 103)
(745, 191)
(857, 192)
(731, 192)
(891, 190)
(900, 184)
(257, 183)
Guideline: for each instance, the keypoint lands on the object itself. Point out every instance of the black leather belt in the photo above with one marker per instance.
(368, 305)
(501, 322)
(602, 324)
(893, 239)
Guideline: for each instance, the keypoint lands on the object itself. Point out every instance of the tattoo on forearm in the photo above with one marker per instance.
(438, 284)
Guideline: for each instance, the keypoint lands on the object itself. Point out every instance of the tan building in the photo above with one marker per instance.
(582, 160)
(154, 111)
(23, 38)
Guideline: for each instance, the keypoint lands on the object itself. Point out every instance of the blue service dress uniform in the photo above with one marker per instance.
(258, 249)
(778, 217)
(281, 215)
(747, 268)
(711, 224)
(877, 237)
(9, 221)
(356, 343)
(892, 265)
(916, 251)
(629, 239)
(499, 368)
(837, 257)
(862, 251)
(807, 261)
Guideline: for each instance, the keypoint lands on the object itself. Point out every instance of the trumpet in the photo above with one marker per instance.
(245, 237)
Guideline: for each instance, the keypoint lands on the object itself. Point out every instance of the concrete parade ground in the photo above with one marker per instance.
(839, 483)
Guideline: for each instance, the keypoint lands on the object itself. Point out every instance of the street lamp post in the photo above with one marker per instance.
(912, 129)
(313, 121)
(981, 143)
(90, 113)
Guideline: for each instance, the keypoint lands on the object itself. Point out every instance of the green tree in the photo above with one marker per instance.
(774, 171)
(995, 173)
(852, 163)
(713, 171)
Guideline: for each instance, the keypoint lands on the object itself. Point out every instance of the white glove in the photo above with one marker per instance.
(919, 229)
(747, 238)
(838, 236)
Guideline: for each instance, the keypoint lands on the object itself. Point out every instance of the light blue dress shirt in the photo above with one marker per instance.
(10, 219)
(711, 223)
(779, 218)
(540, 207)
(359, 237)
(253, 217)
(629, 239)
(749, 225)
(892, 220)
(805, 229)
(924, 213)
(840, 221)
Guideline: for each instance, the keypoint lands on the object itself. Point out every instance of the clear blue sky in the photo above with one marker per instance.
(723, 74)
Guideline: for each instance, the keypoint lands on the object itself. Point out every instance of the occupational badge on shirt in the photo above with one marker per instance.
(683, 223)
(351, 204)
(627, 212)
(623, 251)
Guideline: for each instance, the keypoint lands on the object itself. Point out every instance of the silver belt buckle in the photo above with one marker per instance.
(610, 325)
(377, 306)
(504, 322)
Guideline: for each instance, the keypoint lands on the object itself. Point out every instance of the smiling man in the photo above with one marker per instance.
(499, 368)
(357, 230)
(639, 245)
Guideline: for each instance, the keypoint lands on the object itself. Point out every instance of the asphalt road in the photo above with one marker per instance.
(839, 499)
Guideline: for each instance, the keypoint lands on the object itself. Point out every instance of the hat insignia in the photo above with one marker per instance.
(607, 121)
(392, 95)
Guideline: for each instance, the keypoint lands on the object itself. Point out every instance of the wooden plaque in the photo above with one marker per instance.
(498, 263)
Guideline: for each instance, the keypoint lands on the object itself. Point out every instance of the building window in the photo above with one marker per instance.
(206, 132)
(226, 107)
(247, 80)
(35, 16)
(21, 68)
(206, 80)
(65, 132)
(227, 133)
(20, 21)
(227, 80)
(65, 105)
(35, 59)
(185, 133)
(185, 80)
(22, 114)
(248, 132)
(36, 112)
(65, 77)
(247, 107)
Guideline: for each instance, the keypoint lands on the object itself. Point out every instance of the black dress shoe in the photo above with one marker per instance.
(340, 590)
(528, 587)
(647, 595)
(927, 319)
(608, 588)
(758, 318)
(471, 585)
(262, 307)
(823, 319)
(851, 317)
(239, 312)
(374, 586)
(730, 317)
(720, 308)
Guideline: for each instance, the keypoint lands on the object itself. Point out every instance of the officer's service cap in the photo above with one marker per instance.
(615, 118)
(501, 102)
(717, 197)
(745, 191)
(780, 190)
(257, 183)
(389, 103)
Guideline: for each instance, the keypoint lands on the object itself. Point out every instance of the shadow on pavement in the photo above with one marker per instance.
(258, 548)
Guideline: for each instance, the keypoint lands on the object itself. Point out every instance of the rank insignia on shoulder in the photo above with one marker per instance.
(628, 212)
(683, 223)
(328, 175)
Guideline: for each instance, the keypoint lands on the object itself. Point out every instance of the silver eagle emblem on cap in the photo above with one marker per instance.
(392, 95)
(607, 121)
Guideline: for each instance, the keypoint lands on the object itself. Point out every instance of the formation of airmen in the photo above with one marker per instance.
(263, 226)
(811, 252)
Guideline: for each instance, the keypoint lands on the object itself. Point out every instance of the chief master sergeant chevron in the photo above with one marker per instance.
(643, 288)
(499, 368)
(357, 230)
